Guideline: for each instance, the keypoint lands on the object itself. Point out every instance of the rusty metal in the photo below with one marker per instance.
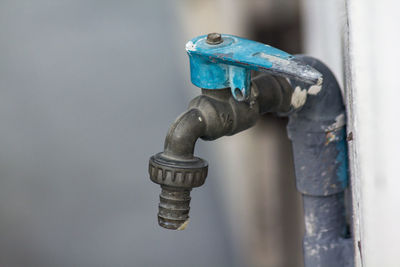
(214, 38)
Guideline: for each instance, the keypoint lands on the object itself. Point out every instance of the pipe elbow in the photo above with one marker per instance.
(183, 134)
(318, 134)
(323, 108)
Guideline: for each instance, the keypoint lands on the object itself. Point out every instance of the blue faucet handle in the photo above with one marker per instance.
(227, 61)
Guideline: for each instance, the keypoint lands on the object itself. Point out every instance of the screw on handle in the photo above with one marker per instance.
(214, 38)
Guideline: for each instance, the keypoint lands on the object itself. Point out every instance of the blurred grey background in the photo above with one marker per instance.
(88, 90)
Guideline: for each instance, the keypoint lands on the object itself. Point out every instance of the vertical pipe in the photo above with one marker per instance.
(318, 135)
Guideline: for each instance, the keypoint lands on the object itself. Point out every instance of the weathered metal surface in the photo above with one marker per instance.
(177, 178)
(317, 131)
(211, 115)
(316, 127)
(227, 63)
(324, 242)
(318, 135)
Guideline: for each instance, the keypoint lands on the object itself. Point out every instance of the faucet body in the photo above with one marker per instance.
(316, 128)
(213, 114)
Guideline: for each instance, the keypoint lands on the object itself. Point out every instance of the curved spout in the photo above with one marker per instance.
(211, 115)
(183, 134)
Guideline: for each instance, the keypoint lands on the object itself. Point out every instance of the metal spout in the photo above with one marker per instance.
(213, 114)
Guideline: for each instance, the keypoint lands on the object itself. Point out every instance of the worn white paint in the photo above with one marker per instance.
(340, 121)
(183, 225)
(292, 67)
(274, 59)
(299, 97)
(316, 88)
(190, 46)
(310, 224)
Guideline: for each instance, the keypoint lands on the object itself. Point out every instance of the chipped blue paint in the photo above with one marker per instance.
(229, 63)
(341, 158)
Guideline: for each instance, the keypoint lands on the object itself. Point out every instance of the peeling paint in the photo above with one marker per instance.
(331, 137)
(340, 121)
(183, 225)
(313, 252)
(291, 68)
(324, 180)
(299, 97)
(310, 225)
(190, 46)
(274, 59)
(316, 88)
(229, 64)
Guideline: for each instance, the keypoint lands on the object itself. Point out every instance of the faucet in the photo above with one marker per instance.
(240, 80)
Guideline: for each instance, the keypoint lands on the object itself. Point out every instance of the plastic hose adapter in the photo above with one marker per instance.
(177, 178)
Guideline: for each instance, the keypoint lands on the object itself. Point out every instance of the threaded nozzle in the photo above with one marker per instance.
(173, 210)
(177, 178)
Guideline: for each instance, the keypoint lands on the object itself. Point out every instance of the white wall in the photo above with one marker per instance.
(372, 68)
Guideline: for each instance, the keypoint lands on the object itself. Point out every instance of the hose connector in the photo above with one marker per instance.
(177, 178)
